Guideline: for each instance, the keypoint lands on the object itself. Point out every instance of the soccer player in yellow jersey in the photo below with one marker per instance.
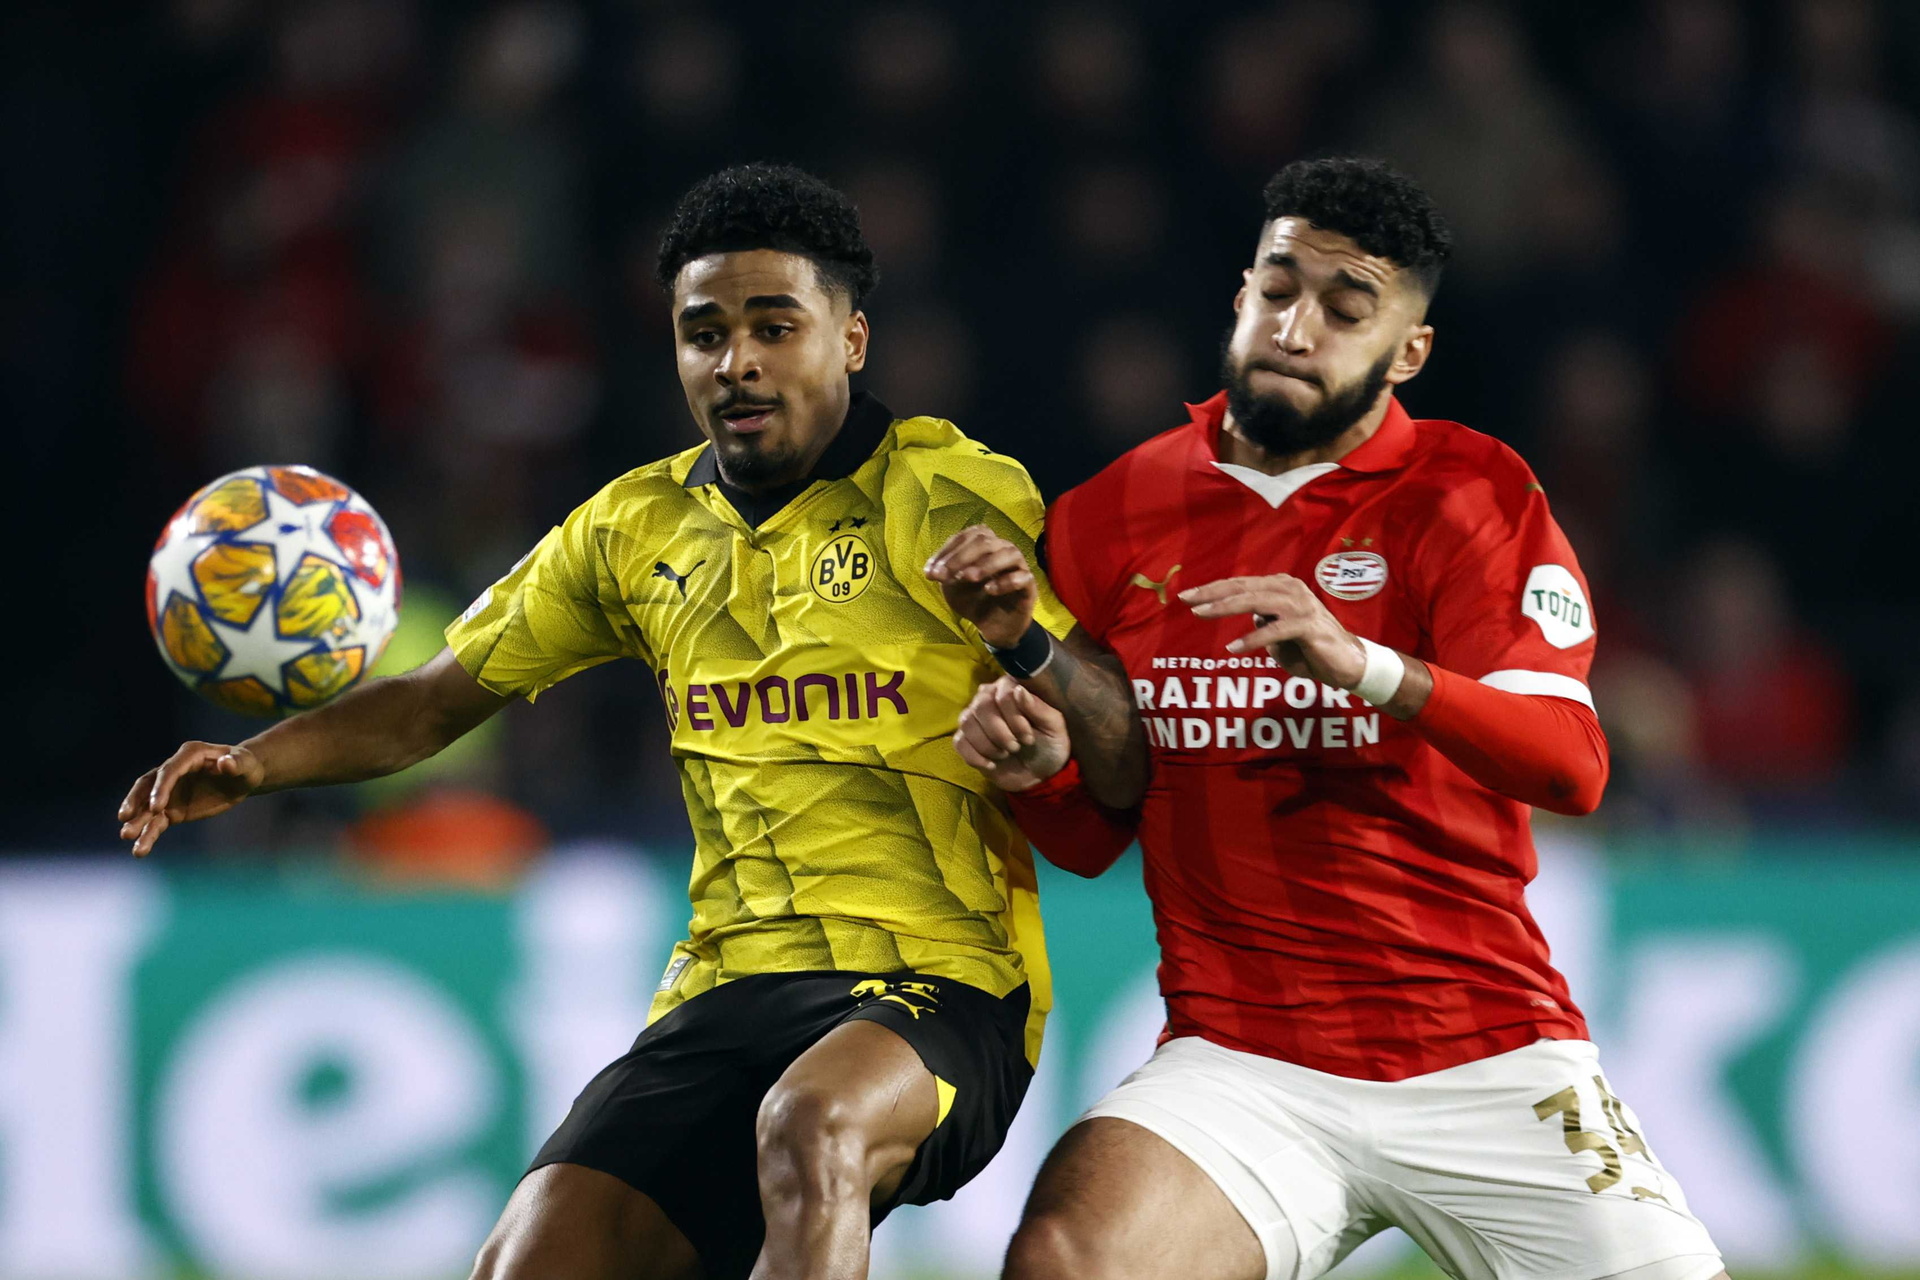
(819, 588)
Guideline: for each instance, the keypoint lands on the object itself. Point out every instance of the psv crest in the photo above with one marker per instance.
(1351, 575)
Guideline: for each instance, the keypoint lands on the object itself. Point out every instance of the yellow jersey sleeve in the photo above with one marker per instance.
(552, 616)
(962, 483)
(1027, 516)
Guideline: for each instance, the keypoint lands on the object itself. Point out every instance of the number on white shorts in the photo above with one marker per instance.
(1566, 1104)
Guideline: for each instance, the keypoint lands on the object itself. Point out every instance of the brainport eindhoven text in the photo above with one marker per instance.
(1250, 694)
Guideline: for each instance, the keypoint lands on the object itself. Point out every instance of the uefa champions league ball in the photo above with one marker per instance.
(274, 589)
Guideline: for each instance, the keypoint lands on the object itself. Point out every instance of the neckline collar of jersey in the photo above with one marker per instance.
(1276, 489)
(1386, 449)
(859, 435)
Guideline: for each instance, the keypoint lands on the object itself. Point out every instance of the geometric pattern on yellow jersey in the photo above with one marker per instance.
(834, 825)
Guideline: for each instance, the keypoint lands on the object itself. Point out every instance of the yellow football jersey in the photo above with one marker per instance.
(813, 677)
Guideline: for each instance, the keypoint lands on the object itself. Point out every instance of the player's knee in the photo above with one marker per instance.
(512, 1250)
(810, 1139)
(488, 1264)
(1050, 1245)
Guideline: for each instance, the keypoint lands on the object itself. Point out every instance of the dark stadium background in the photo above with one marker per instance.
(410, 243)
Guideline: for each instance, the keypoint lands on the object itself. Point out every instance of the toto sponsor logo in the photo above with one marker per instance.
(1351, 575)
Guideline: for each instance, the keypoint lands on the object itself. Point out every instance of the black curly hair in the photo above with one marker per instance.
(1379, 208)
(771, 206)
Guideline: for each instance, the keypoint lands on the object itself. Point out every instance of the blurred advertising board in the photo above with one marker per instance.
(260, 1077)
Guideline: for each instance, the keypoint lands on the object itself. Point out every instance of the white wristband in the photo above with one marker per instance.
(1381, 680)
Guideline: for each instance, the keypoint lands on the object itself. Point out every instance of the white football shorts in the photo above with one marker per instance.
(1522, 1166)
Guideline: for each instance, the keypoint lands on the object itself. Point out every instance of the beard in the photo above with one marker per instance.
(1276, 426)
(749, 464)
(753, 462)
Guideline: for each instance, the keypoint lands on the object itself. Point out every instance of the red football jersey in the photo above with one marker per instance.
(1328, 888)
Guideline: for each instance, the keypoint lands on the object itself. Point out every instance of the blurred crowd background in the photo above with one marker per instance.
(411, 244)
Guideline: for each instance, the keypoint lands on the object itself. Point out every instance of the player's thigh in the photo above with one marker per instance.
(1115, 1201)
(859, 1100)
(673, 1118)
(974, 1046)
(1274, 1151)
(568, 1220)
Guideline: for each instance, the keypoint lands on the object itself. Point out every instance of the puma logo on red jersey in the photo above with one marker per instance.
(1158, 588)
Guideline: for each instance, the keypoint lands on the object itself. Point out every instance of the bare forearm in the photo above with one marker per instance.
(1089, 687)
(372, 731)
(381, 727)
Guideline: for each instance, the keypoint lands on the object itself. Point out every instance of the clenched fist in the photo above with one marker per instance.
(986, 581)
(1014, 738)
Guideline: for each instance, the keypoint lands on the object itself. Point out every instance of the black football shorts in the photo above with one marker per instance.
(674, 1117)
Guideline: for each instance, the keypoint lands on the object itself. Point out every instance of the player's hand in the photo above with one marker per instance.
(1014, 738)
(1290, 622)
(199, 780)
(988, 582)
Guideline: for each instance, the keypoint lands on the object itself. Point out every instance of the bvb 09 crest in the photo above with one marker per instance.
(842, 569)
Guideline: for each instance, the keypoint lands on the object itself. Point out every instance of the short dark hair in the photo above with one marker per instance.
(1379, 208)
(771, 206)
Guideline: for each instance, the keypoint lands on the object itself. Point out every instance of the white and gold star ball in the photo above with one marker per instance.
(272, 590)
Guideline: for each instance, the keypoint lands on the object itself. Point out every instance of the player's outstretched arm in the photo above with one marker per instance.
(379, 728)
(987, 581)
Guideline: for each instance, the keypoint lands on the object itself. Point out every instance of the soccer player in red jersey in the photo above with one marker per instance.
(1359, 644)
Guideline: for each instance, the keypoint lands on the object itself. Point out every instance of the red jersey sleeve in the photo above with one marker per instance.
(1071, 562)
(1511, 631)
(1069, 828)
(1503, 596)
(1547, 752)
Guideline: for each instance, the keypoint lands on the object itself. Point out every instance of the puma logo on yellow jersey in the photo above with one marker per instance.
(1159, 588)
(903, 994)
(661, 569)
